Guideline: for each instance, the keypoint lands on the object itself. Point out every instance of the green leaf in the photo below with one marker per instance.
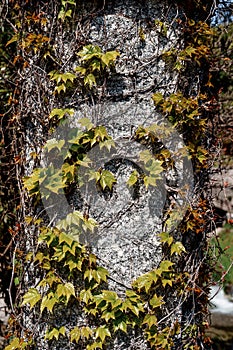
(48, 302)
(65, 238)
(154, 167)
(145, 281)
(118, 324)
(101, 133)
(107, 143)
(177, 248)
(158, 98)
(75, 334)
(150, 320)
(89, 224)
(109, 57)
(190, 50)
(68, 76)
(32, 182)
(85, 295)
(89, 51)
(108, 315)
(165, 238)
(112, 298)
(102, 332)
(16, 343)
(150, 180)
(90, 80)
(85, 122)
(54, 182)
(102, 273)
(31, 297)
(145, 156)
(128, 305)
(133, 178)
(53, 143)
(166, 281)
(165, 265)
(156, 301)
(86, 332)
(54, 333)
(96, 65)
(107, 179)
(66, 289)
(81, 70)
(61, 112)
(94, 346)
(60, 88)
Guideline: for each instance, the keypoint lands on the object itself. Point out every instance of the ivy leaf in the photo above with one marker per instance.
(90, 80)
(109, 57)
(16, 343)
(107, 143)
(108, 315)
(165, 238)
(89, 224)
(96, 65)
(177, 248)
(85, 295)
(102, 273)
(166, 281)
(61, 112)
(31, 297)
(107, 179)
(75, 334)
(60, 88)
(66, 290)
(158, 98)
(89, 51)
(69, 171)
(68, 76)
(94, 346)
(150, 180)
(154, 167)
(120, 324)
(150, 320)
(13, 39)
(127, 304)
(53, 143)
(112, 298)
(100, 133)
(48, 302)
(133, 178)
(165, 265)
(144, 281)
(54, 182)
(65, 238)
(102, 332)
(156, 301)
(190, 50)
(86, 332)
(54, 333)
(86, 123)
(145, 156)
(81, 70)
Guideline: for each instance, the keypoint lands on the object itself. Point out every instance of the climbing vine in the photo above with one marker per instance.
(68, 275)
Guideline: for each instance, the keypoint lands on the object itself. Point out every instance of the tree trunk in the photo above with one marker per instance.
(143, 36)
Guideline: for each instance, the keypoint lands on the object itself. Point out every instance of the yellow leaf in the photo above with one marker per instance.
(31, 297)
